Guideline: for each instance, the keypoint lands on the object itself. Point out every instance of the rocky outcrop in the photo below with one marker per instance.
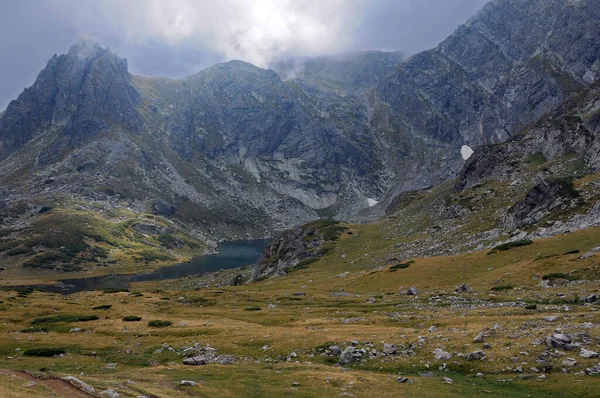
(297, 246)
(545, 196)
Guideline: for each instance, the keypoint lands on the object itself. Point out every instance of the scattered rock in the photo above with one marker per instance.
(402, 379)
(335, 350)
(194, 361)
(550, 318)
(80, 384)
(587, 255)
(476, 356)
(412, 291)
(478, 338)
(432, 329)
(76, 330)
(463, 289)
(447, 380)
(569, 362)
(592, 298)
(559, 340)
(588, 353)
(187, 383)
(110, 393)
(440, 354)
(347, 355)
(389, 349)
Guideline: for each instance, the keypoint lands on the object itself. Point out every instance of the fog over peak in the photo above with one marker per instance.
(178, 37)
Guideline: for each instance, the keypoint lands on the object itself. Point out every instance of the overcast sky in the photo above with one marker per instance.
(176, 38)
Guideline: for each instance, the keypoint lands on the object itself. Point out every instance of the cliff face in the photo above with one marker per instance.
(236, 151)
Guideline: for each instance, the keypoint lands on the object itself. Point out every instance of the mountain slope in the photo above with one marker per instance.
(509, 65)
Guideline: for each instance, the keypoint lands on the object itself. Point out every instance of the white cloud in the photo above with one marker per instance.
(257, 31)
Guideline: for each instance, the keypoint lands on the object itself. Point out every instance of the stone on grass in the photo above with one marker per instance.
(187, 383)
(441, 355)
(195, 361)
(476, 356)
(80, 384)
(588, 353)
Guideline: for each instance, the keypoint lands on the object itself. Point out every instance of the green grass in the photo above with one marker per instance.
(502, 288)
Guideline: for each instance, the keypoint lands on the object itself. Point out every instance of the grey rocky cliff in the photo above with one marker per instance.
(512, 63)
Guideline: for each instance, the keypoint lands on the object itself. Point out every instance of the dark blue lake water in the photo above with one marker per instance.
(231, 254)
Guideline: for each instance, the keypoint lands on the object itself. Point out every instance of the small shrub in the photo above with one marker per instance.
(44, 352)
(200, 301)
(252, 309)
(132, 318)
(400, 266)
(559, 275)
(502, 288)
(571, 252)
(530, 306)
(510, 245)
(114, 290)
(159, 324)
(67, 318)
(18, 251)
(102, 307)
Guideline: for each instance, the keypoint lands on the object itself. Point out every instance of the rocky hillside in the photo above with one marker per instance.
(236, 151)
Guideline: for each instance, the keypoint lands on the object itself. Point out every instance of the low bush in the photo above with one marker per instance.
(67, 318)
(159, 324)
(44, 352)
(559, 275)
(400, 266)
(510, 245)
(114, 290)
(252, 309)
(132, 318)
(102, 307)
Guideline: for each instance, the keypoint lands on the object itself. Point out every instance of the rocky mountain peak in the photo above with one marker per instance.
(76, 94)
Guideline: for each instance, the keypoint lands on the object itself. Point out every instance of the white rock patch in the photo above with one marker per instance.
(466, 152)
(372, 202)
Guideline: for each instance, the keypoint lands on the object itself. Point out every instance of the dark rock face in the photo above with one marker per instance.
(539, 201)
(163, 208)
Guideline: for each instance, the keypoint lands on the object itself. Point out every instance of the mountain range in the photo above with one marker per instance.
(235, 151)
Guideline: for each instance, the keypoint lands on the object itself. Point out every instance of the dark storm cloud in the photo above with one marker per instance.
(178, 37)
